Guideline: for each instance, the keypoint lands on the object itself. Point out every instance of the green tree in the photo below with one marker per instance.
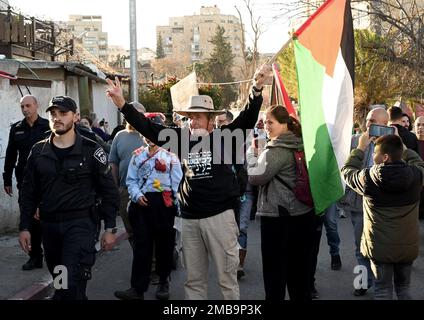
(218, 67)
(287, 64)
(160, 53)
(379, 79)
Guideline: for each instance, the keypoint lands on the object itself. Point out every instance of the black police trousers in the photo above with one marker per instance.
(153, 224)
(35, 231)
(70, 244)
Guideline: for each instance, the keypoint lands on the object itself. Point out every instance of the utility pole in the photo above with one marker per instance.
(133, 51)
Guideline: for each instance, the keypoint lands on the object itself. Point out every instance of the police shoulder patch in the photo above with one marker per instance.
(100, 155)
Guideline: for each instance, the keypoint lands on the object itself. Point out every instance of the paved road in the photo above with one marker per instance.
(112, 271)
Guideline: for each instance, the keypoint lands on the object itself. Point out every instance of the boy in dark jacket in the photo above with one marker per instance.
(391, 190)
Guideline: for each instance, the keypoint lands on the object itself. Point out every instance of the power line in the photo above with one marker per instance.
(223, 83)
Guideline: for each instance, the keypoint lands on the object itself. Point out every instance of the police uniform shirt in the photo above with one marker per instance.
(67, 185)
(21, 139)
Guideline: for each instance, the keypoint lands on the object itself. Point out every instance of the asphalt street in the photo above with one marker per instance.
(112, 271)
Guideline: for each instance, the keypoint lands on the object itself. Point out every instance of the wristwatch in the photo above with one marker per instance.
(112, 230)
(257, 90)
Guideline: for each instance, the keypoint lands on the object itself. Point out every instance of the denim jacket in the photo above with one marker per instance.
(153, 173)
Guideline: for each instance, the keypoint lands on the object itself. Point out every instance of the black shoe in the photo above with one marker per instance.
(240, 272)
(162, 291)
(130, 294)
(314, 293)
(33, 263)
(360, 292)
(175, 259)
(154, 278)
(336, 262)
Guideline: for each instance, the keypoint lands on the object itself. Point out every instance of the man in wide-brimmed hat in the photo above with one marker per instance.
(209, 189)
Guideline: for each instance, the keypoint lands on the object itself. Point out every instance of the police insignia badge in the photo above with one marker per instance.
(100, 155)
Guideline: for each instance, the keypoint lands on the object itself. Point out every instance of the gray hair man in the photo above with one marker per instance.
(352, 202)
(208, 191)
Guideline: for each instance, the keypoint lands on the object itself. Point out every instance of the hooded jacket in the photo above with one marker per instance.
(274, 198)
(391, 194)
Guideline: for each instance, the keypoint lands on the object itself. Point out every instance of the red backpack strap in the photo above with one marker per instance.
(299, 158)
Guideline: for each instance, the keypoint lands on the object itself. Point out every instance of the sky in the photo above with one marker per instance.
(151, 13)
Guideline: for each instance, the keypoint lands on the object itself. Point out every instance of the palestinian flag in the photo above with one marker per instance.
(324, 51)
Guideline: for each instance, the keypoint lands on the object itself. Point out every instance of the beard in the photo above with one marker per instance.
(65, 129)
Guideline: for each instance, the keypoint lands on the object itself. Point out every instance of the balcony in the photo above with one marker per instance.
(28, 37)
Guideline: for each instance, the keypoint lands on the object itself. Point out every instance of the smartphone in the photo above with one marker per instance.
(378, 131)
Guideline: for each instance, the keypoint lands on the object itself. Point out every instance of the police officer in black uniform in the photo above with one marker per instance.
(23, 135)
(64, 176)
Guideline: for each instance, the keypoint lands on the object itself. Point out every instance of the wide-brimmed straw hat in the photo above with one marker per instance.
(200, 104)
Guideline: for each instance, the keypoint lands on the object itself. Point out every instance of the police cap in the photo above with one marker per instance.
(63, 103)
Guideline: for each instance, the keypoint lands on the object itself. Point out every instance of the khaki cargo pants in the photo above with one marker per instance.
(215, 236)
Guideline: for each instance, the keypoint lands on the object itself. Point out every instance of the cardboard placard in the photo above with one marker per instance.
(183, 90)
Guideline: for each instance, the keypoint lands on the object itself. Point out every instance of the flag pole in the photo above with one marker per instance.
(275, 56)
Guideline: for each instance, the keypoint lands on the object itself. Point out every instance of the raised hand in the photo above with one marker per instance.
(364, 141)
(262, 73)
(114, 91)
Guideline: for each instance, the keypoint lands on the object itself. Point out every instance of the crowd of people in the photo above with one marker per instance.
(189, 199)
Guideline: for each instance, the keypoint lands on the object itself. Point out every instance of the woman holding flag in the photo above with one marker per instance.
(287, 224)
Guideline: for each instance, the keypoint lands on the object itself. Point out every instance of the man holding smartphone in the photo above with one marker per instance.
(352, 202)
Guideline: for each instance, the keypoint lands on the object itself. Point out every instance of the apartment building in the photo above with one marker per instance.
(88, 28)
(187, 38)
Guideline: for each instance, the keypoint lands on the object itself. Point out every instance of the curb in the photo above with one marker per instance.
(40, 289)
